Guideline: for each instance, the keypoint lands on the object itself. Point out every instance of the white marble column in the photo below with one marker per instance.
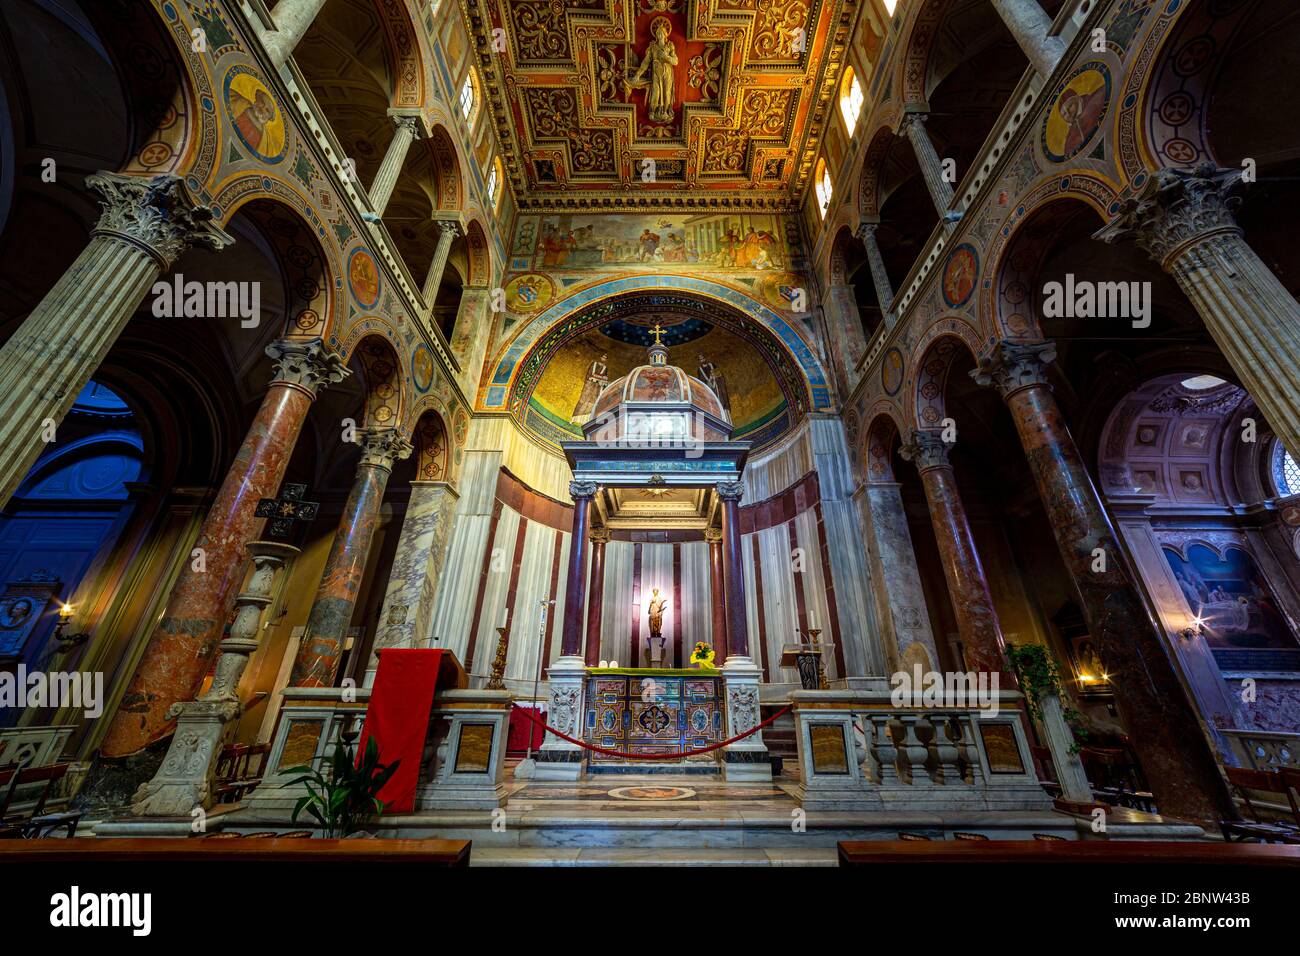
(145, 226)
(896, 581)
(879, 276)
(407, 131)
(292, 19)
(448, 230)
(1030, 27)
(407, 617)
(1183, 219)
(913, 127)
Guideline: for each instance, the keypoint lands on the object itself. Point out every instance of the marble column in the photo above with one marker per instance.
(184, 779)
(879, 277)
(718, 592)
(844, 321)
(180, 649)
(145, 226)
(596, 599)
(336, 597)
(407, 132)
(1031, 26)
(972, 604)
(406, 619)
(733, 570)
(448, 230)
(913, 127)
(575, 581)
(895, 578)
(292, 19)
(1183, 219)
(1153, 706)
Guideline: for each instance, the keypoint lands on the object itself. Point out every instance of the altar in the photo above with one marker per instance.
(646, 710)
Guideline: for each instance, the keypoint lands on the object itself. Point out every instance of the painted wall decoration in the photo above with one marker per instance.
(622, 242)
(529, 292)
(1076, 112)
(1231, 597)
(363, 278)
(422, 368)
(255, 115)
(891, 371)
(959, 275)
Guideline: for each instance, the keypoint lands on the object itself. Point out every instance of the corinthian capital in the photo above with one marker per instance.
(409, 122)
(1011, 366)
(157, 215)
(448, 230)
(380, 447)
(730, 490)
(1176, 209)
(581, 490)
(306, 364)
(926, 450)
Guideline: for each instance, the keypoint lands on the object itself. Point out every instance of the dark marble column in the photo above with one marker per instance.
(336, 597)
(733, 570)
(596, 601)
(576, 587)
(972, 604)
(718, 592)
(1153, 705)
(180, 650)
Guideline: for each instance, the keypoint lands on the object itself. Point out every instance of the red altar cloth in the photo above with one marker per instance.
(398, 714)
(520, 728)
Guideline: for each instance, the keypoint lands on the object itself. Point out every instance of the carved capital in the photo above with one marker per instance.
(582, 490)
(730, 490)
(1011, 366)
(410, 123)
(599, 536)
(912, 123)
(1176, 209)
(157, 215)
(926, 450)
(713, 535)
(380, 447)
(306, 364)
(866, 231)
(448, 230)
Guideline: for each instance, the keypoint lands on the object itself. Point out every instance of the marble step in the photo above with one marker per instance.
(632, 856)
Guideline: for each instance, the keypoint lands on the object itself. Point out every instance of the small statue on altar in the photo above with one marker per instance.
(656, 612)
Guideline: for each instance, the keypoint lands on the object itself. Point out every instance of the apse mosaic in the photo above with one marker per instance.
(717, 94)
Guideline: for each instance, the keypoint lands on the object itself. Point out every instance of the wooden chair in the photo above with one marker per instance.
(1115, 778)
(958, 835)
(1263, 781)
(38, 823)
(913, 836)
(1047, 836)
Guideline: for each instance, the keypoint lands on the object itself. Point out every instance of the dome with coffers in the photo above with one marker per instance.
(658, 401)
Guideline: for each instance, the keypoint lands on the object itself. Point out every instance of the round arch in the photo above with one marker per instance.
(943, 343)
(372, 346)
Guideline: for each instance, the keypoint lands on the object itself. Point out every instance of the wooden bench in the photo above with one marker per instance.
(37, 823)
(1262, 781)
(877, 852)
(274, 850)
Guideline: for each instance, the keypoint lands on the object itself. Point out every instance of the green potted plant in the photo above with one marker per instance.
(1038, 676)
(346, 798)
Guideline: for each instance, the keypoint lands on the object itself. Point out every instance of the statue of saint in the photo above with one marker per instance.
(656, 610)
(597, 379)
(661, 61)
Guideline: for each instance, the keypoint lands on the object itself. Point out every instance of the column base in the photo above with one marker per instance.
(745, 760)
(558, 759)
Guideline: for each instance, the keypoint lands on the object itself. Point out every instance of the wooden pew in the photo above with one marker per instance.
(878, 852)
(276, 850)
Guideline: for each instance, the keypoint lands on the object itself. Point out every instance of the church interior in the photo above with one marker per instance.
(571, 433)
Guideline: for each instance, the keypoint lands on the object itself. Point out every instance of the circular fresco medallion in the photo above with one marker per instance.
(255, 115)
(652, 793)
(422, 367)
(363, 278)
(529, 292)
(891, 371)
(786, 291)
(1077, 112)
(959, 275)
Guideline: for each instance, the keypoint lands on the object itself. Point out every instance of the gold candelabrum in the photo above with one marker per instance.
(815, 640)
(499, 662)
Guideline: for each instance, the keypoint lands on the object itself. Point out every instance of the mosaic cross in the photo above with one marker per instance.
(658, 332)
(285, 510)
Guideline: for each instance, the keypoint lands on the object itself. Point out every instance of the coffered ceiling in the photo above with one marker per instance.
(685, 104)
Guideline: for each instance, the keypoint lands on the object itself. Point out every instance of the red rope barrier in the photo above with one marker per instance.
(528, 712)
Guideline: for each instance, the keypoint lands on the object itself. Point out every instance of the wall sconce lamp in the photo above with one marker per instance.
(67, 641)
(1194, 629)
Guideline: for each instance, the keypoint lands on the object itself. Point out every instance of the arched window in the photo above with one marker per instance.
(494, 183)
(467, 96)
(1286, 473)
(824, 188)
(890, 6)
(851, 99)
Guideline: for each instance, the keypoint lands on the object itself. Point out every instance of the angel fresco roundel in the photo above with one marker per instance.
(255, 115)
(1077, 112)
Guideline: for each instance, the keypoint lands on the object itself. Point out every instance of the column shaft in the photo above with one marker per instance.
(575, 587)
(1030, 27)
(895, 579)
(417, 566)
(931, 166)
(733, 569)
(180, 649)
(292, 19)
(596, 599)
(322, 643)
(718, 594)
(447, 232)
(879, 276)
(381, 190)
